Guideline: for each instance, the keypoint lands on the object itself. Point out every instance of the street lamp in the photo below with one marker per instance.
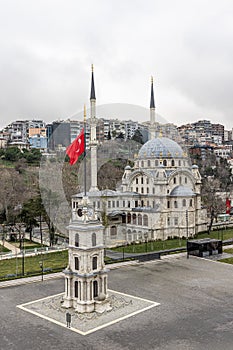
(146, 236)
(123, 250)
(22, 248)
(42, 269)
(187, 232)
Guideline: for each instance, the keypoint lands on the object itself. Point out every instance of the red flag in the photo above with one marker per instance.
(76, 148)
(228, 206)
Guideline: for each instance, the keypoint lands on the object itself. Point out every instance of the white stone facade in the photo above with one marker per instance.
(160, 196)
(85, 276)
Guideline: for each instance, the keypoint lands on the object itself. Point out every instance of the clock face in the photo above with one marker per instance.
(90, 212)
(80, 212)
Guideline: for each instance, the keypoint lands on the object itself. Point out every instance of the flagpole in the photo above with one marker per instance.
(85, 163)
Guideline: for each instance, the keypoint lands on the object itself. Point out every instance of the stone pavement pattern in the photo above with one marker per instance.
(195, 311)
(122, 306)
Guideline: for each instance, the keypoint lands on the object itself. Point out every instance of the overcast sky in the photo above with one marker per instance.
(47, 48)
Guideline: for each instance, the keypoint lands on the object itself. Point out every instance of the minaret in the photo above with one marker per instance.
(152, 113)
(93, 142)
(85, 275)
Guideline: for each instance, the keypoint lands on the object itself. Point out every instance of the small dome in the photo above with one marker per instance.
(195, 166)
(160, 147)
(182, 191)
(128, 167)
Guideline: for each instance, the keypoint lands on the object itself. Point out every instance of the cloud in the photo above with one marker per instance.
(48, 47)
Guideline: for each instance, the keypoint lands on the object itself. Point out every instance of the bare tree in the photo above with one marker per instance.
(213, 202)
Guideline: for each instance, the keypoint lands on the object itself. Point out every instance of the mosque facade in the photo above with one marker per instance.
(159, 196)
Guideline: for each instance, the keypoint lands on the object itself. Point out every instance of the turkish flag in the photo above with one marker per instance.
(76, 148)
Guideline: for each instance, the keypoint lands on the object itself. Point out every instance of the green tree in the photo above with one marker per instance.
(33, 156)
(12, 154)
(29, 216)
(137, 136)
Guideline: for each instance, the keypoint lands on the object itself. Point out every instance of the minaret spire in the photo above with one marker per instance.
(92, 96)
(93, 141)
(152, 100)
(152, 112)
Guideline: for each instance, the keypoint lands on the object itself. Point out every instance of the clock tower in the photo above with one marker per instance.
(85, 275)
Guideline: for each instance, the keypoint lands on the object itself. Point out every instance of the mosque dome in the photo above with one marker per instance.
(128, 167)
(182, 191)
(160, 147)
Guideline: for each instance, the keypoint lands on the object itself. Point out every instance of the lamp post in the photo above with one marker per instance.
(42, 269)
(146, 236)
(187, 232)
(22, 247)
(123, 252)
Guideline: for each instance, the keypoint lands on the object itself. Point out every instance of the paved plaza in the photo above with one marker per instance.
(195, 310)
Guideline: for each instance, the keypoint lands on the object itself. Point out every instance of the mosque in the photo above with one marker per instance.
(159, 197)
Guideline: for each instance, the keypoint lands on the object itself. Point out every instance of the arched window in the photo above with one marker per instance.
(174, 180)
(94, 263)
(168, 204)
(185, 180)
(175, 204)
(142, 180)
(165, 162)
(142, 203)
(76, 289)
(113, 231)
(142, 190)
(148, 163)
(184, 202)
(95, 289)
(142, 164)
(179, 163)
(134, 219)
(123, 218)
(76, 240)
(145, 220)
(129, 218)
(191, 203)
(136, 180)
(139, 219)
(76, 263)
(173, 162)
(129, 235)
(93, 238)
(147, 190)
